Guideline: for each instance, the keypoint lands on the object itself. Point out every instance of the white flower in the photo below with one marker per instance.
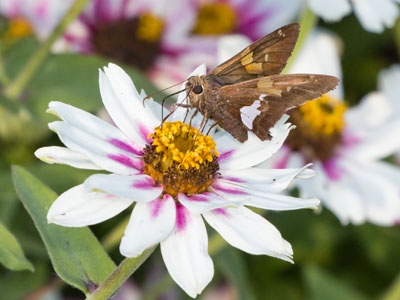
(345, 145)
(374, 15)
(174, 189)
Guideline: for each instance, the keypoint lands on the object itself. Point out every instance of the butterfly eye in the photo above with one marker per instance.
(198, 89)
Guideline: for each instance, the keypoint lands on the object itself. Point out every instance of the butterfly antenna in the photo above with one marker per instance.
(163, 102)
(158, 92)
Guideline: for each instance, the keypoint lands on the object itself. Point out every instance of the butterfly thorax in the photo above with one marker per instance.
(202, 92)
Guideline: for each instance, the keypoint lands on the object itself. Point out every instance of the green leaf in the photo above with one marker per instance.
(231, 264)
(16, 285)
(324, 286)
(11, 254)
(76, 254)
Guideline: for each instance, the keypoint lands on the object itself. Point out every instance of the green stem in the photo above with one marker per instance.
(308, 20)
(3, 76)
(396, 32)
(113, 238)
(125, 269)
(216, 243)
(15, 88)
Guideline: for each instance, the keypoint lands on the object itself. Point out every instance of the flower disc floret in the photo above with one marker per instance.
(181, 158)
(324, 115)
(319, 127)
(215, 18)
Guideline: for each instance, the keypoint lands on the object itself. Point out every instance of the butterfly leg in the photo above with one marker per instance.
(211, 127)
(192, 117)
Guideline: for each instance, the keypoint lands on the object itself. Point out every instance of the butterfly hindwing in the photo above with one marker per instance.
(259, 103)
(266, 56)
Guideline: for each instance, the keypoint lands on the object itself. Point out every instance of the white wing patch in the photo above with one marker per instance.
(249, 113)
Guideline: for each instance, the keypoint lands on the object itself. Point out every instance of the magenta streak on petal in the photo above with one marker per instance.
(182, 217)
(221, 211)
(225, 155)
(233, 179)
(124, 146)
(126, 161)
(41, 9)
(229, 190)
(146, 183)
(282, 162)
(332, 168)
(144, 132)
(156, 205)
(250, 21)
(396, 222)
(123, 9)
(349, 139)
(198, 198)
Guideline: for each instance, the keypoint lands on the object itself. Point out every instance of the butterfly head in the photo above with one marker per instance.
(194, 90)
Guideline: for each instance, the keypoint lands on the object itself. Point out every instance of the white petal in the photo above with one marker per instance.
(236, 155)
(62, 155)
(372, 111)
(185, 253)
(249, 232)
(271, 180)
(89, 123)
(378, 185)
(230, 45)
(389, 85)
(150, 223)
(379, 143)
(258, 196)
(124, 104)
(77, 207)
(200, 203)
(344, 201)
(103, 153)
(375, 15)
(330, 10)
(137, 187)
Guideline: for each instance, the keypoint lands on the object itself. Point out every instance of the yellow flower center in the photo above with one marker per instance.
(324, 115)
(181, 158)
(18, 28)
(149, 28)
(215, 18)
(319, 127)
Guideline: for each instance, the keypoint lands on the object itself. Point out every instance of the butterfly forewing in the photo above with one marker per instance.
(246, 93)
(259, 103)
(266, 56)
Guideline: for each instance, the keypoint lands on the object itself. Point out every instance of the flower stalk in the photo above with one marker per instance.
(307, 21)
(15, 88)
(125, 269)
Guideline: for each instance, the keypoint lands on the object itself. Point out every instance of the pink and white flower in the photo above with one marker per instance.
(166, 212)
(180, 36)
(353, 181)
(43, 15)
(150, 35)
(374, 15)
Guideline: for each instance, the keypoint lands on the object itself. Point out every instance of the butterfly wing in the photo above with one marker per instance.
(266, 56)
(256, 105)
